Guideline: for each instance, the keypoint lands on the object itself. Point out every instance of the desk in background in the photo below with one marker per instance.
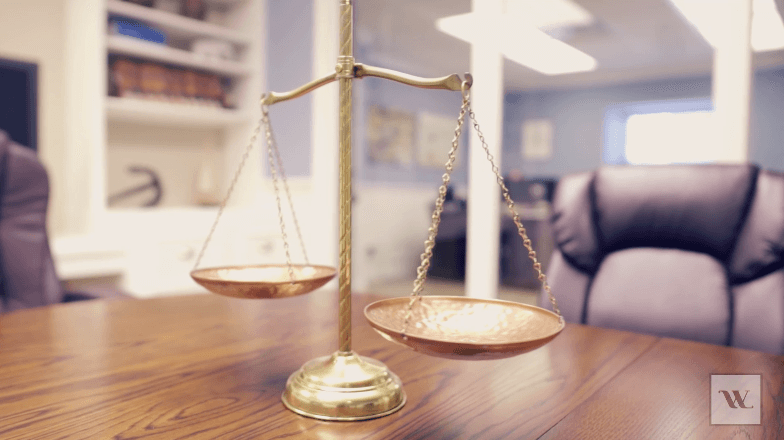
(516, 270)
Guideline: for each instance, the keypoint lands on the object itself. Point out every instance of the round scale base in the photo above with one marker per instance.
(344, 387)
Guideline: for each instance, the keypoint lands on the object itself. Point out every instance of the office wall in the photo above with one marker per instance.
(578, 119)
(394, 202)
(766, 131)
(578, 116)
(289, 65)
(33, 31)
(399, 97)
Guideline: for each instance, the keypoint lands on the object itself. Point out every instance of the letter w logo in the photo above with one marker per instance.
(739, 401)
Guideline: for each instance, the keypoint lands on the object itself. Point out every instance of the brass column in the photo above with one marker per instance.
(344, 386)
(345, 73)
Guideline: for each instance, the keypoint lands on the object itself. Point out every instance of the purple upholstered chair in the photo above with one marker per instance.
(693, 252)
(27, 275)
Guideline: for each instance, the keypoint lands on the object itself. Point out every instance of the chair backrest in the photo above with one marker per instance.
(27, 273)
(692, 252)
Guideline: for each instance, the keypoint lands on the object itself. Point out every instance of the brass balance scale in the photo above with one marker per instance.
(346, 386)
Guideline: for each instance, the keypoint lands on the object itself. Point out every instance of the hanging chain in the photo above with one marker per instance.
(436, 217)
(273, 155)
(274, 172)
(516, 217)
(228, 193)
(419, 283)
(271, 141)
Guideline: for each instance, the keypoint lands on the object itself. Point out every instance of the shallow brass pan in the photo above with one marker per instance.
(263, 281)
(458, 327)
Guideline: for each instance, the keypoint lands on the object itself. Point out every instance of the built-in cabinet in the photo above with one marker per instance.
(191, 145)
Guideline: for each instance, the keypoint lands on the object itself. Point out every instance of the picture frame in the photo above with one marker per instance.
(390, 136)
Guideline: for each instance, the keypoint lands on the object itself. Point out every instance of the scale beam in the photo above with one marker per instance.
(273, 97)
(451, 82)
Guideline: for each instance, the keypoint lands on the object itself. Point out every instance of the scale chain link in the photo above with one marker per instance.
(233, 183)
(272, 150)
(516, 218)
(282, 171)
(274, 173)
(436, 217)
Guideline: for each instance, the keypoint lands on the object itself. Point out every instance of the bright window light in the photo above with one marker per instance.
(767, 27)
(523, 37)
(666, 138)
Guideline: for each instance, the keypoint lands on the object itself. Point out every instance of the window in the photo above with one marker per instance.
(657, 133)
(662, 138)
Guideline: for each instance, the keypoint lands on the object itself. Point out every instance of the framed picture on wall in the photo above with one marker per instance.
(538, 139)
(390, 136)
(434, 140)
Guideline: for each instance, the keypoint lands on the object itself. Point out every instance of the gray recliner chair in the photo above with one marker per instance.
(693, 252)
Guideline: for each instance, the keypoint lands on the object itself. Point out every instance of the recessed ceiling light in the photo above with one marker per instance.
(767, 28)
(523, 39)
(549, 14)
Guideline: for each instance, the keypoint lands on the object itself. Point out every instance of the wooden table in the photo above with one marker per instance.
(208, 367)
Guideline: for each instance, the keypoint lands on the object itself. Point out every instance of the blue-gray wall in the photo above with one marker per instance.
(392, 95)
(289, 65)
(766, 129)
(578, 120)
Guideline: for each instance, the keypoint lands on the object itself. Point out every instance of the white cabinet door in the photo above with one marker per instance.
(259, 249)
(163, 268)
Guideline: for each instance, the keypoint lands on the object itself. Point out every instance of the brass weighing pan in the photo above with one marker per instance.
(457, 327)
(263, 281)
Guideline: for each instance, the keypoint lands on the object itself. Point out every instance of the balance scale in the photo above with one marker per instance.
(346, 386)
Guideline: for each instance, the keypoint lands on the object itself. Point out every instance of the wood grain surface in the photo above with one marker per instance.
(209, 367)
(665, 394)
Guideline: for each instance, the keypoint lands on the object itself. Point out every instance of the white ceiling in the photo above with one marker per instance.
(632, 40)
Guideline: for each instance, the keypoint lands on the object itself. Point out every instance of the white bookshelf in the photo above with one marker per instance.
(123, 45)
(161, 113)
(151, 248)
(174, 25)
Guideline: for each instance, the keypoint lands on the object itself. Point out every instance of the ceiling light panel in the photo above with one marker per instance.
(549, 14)
(523, 39)
(767, 27)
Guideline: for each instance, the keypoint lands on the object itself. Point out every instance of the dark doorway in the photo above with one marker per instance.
(19, 101)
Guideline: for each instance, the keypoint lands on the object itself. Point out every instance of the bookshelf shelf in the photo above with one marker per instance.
(120, 44)
(175, 25)
(171, 114)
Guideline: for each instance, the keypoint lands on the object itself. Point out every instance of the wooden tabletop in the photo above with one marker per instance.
(208, 367)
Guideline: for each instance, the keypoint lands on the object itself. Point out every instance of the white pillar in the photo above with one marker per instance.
(85, 135)
(482, 260)
(324, 139)
(732, 75)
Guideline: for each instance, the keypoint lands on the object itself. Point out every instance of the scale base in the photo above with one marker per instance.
(344, 387)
